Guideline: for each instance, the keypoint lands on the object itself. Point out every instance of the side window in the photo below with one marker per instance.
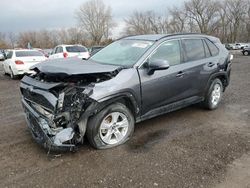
(53, 51)
(213, 49)
(60, 50)
(207, 52)
(170, 51)
(194, 49)
(56, 50)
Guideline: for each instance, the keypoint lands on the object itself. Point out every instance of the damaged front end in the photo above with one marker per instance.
(57, 107)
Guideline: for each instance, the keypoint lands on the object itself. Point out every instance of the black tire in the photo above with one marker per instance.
(208, 102)
(246, 53)
(12, 76)
(94, 124)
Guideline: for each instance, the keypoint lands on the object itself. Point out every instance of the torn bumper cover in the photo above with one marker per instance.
(43, 134)
(57, 120)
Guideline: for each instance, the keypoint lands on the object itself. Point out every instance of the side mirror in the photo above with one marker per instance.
(157, 64)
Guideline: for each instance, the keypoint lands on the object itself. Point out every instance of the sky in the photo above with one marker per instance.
(27, 15)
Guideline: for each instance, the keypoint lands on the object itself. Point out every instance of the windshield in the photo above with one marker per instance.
(28, 53)
(123, 52)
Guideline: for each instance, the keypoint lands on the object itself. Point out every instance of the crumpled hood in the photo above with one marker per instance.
(73, 66)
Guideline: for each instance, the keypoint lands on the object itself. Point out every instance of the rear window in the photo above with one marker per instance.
(194, 49)
(76, 49)
(28, 53)
(213, 49)
(207, 52)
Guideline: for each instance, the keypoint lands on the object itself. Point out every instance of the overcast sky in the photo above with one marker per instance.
(24, 15)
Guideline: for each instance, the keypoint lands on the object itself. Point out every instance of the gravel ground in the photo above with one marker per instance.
(191, 147)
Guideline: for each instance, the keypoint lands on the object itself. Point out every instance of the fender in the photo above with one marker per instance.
(121, 95)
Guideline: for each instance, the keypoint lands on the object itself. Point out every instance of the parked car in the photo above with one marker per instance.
(130, 80)
(2, 56)
(18, 62)
(246, 51)
(95, 49)
(240, 45)
(64, 51)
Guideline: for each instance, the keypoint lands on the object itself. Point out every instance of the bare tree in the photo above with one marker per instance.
(12, 39)
(95, 18)
(236, 9)
(204, 13)
(247, 21)
(177, 20)
(145, 23)
(3, 42)
(27, 37)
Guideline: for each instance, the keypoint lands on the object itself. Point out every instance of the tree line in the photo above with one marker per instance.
(227, 19)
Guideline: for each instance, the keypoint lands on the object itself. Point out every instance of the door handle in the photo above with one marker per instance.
(210, 64)
(179, 74)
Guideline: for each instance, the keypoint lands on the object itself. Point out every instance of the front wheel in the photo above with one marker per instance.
(214, 95)
(111, 127)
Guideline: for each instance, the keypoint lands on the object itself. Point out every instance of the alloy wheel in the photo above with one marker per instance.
(216, 94)
(114, 128)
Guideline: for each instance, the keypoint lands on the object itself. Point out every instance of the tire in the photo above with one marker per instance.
(103, 128)
(246, 53)
(213, 95)
(12, 76)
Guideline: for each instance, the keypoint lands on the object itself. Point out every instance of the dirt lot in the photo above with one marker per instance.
(191, 147)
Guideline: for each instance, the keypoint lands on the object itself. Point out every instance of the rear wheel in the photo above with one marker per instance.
(111, 127)
(214, 95)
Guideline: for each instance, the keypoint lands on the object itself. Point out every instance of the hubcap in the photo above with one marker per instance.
(216, 94)
(114, 128)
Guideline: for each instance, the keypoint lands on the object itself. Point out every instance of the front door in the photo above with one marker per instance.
(165, 86)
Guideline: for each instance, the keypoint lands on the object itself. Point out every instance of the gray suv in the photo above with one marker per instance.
(131, 80)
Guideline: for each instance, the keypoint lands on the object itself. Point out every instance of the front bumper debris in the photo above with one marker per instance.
(41, 131)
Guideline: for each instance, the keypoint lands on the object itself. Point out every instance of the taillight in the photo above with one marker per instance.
(65, 54)
(19, 62)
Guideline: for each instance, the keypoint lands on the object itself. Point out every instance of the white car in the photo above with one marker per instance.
(240, 45)
(64, 51)
(18, 62)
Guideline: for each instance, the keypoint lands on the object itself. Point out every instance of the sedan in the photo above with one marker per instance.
(18, 62)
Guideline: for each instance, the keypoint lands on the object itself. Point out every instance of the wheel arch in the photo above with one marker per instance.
(125, 98)
(223, 78)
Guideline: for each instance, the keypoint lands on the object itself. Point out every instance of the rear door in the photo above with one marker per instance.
(199, 63)
(59, 52)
